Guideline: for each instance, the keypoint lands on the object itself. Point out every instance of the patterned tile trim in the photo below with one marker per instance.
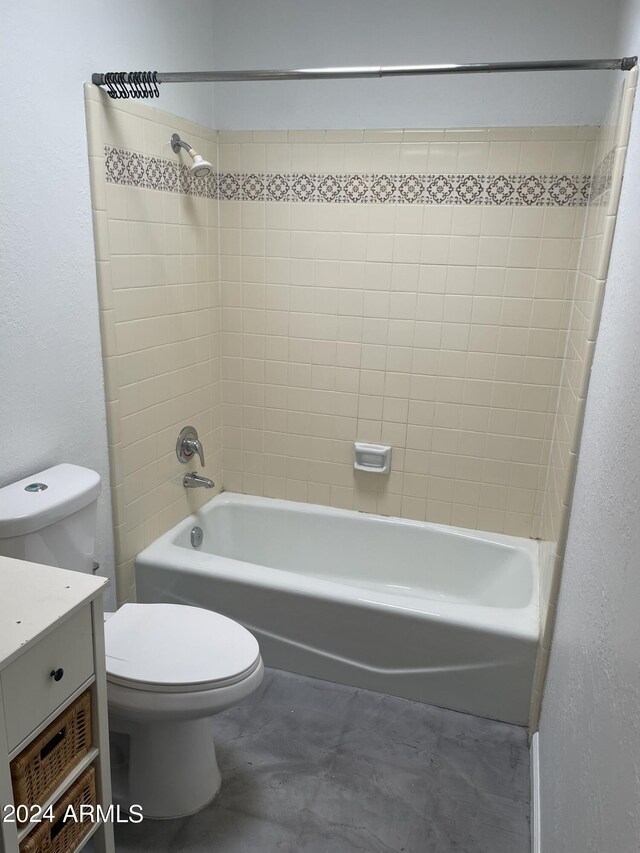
(127, 167)
(155, 173)
(522, 190)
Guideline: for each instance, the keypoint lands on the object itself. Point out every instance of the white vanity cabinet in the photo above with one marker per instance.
(52, 666)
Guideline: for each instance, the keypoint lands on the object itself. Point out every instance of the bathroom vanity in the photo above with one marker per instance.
(54, 737)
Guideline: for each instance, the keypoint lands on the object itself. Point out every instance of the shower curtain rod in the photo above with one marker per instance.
(144, 84)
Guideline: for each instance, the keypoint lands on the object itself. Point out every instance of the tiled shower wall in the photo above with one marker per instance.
(157, 268)
(405, 287)
(353, 310)
(583, 325)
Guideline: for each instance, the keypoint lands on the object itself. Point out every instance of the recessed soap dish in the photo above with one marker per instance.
(373, 458)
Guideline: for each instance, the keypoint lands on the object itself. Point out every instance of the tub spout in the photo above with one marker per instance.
(195, 481)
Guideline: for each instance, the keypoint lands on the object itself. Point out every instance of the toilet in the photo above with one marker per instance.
(170, 667)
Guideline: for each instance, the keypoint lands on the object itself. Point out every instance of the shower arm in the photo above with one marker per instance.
(178, 143)
(123, 84)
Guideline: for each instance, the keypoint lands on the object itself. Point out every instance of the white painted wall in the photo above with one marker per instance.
(51, 387)
(307, 33)
(590, 725)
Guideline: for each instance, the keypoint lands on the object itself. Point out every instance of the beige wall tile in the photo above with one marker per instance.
(161, 358)
(436, 329)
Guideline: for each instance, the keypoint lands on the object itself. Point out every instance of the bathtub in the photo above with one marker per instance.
(424, 611)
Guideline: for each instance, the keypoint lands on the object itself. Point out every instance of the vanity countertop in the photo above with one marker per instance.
(33, 598)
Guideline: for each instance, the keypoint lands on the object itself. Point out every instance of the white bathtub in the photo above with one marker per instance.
(425, 611)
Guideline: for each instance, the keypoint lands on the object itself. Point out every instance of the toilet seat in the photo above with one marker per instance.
(173, 648)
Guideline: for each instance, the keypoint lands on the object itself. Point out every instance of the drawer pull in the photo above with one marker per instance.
(51, 745)
(57, 674)
(57, 828)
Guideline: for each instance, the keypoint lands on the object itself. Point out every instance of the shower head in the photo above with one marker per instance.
(200, 167)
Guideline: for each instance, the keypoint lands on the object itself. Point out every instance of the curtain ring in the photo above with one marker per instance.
(132, 84)
(116, 84)
(111, 87)
(121, 84)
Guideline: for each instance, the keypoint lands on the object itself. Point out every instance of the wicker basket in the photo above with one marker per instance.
(51, 756)
(58, 835)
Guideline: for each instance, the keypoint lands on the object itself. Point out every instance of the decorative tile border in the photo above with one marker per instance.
(129, 168)
(155, 173)
(520, 190)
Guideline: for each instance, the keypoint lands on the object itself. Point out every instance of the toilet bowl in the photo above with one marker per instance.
(170, 668)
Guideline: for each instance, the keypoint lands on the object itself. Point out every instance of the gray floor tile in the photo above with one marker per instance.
(314, 767)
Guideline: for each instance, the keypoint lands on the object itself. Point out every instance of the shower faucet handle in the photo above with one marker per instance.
(188, 445)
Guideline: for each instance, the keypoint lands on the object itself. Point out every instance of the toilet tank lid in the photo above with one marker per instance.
(69, 488)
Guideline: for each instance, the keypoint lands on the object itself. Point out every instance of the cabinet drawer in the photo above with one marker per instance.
(30, 692)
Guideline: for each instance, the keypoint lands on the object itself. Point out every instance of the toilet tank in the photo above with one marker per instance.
(50, 517)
